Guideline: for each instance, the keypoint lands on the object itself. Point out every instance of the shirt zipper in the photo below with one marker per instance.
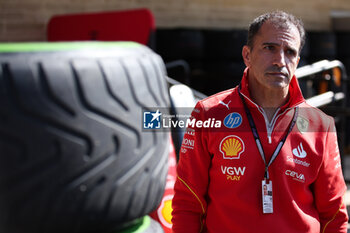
(269, 126)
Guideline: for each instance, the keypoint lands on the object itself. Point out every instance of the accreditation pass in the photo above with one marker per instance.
(266, 186)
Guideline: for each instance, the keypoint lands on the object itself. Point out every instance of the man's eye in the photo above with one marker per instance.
(268, 47)
(291, 52)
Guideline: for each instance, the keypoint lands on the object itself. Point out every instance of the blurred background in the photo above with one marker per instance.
(207, 34)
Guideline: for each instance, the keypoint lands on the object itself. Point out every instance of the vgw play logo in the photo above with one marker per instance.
(151, 120)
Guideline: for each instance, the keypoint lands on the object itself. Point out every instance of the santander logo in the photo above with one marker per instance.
(299, 151)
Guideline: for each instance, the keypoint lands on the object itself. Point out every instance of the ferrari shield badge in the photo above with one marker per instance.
(302, 124)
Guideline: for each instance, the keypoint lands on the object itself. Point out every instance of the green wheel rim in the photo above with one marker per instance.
(62, 46)
(144, 223)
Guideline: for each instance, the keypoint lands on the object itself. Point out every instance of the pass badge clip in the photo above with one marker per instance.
(266, 186)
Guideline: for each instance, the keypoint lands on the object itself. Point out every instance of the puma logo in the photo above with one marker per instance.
(226, 105)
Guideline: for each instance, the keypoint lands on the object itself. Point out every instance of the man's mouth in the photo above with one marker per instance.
(278, 74)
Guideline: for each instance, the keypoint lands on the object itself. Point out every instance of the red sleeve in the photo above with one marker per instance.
(330, 187)
(189, 204)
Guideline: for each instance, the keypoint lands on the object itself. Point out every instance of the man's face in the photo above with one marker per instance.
(274, 56)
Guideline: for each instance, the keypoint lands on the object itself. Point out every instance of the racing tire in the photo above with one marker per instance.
(74, 156)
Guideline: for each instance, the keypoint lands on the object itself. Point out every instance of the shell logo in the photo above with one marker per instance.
(231, 147)
(165, 210)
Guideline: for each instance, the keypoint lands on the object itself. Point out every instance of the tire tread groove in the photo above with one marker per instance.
(49, 93)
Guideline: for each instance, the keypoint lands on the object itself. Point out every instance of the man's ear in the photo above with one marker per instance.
(298, 61)
(246, 55)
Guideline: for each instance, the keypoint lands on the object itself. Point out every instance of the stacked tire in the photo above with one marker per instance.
(73, 153)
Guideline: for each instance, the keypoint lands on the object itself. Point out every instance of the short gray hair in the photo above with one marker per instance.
(280, 19)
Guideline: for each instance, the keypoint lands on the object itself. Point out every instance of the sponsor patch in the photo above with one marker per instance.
(188, 143)
(231, 147)
(190, 131)
(297, 161)
(295, 175)
(233, 120)
(225, 104)
(302, 124)
(233, 170)
(183, 150)
(233, 173)
(299, 151)
(165, 210)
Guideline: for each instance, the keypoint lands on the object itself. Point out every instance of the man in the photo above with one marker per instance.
(269, 138)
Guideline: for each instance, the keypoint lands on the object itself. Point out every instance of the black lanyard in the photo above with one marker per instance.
(257, 139)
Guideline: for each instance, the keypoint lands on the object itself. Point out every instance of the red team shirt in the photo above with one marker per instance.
(218, 188)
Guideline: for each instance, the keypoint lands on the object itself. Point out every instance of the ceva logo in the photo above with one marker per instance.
(295, 175)
(233, 120)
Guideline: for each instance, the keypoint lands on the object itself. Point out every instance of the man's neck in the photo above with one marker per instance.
(269, 99)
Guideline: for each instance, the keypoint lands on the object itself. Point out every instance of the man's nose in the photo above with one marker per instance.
(279, 59)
